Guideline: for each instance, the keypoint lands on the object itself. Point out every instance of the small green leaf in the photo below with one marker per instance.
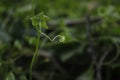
(10, 76)
(44, 24)
(34, 22)
(40, 20)
(40, 14)
(42, 17)
(45, 18)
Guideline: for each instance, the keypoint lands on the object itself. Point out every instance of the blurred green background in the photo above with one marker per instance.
(68, 60)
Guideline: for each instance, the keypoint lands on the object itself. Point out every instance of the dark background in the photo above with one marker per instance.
(72, 59)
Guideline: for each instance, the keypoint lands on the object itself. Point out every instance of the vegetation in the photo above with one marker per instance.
(59, 40)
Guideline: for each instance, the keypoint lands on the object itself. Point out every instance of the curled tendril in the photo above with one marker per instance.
(62, 38)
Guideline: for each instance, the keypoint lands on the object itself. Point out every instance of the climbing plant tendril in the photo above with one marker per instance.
(62, 38)
(39, 22)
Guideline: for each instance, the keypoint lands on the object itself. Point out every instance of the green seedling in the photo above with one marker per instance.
(40, 21)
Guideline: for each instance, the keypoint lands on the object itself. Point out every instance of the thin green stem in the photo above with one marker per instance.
(35, 54)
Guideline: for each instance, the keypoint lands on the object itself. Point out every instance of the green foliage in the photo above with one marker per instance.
(88, 75)
(40, 20)
(18, 38)
(10, 76)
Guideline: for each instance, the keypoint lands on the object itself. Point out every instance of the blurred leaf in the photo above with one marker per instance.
(88, 75)
(4, 36)
(31, 40)
(67, 55)
(23, 77)
(115, 30)
(2, 9)
(116, 39)
(17, 44)
(24, 9)
(10, 76)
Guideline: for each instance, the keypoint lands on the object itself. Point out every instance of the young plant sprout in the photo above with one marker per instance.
(39, 22)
